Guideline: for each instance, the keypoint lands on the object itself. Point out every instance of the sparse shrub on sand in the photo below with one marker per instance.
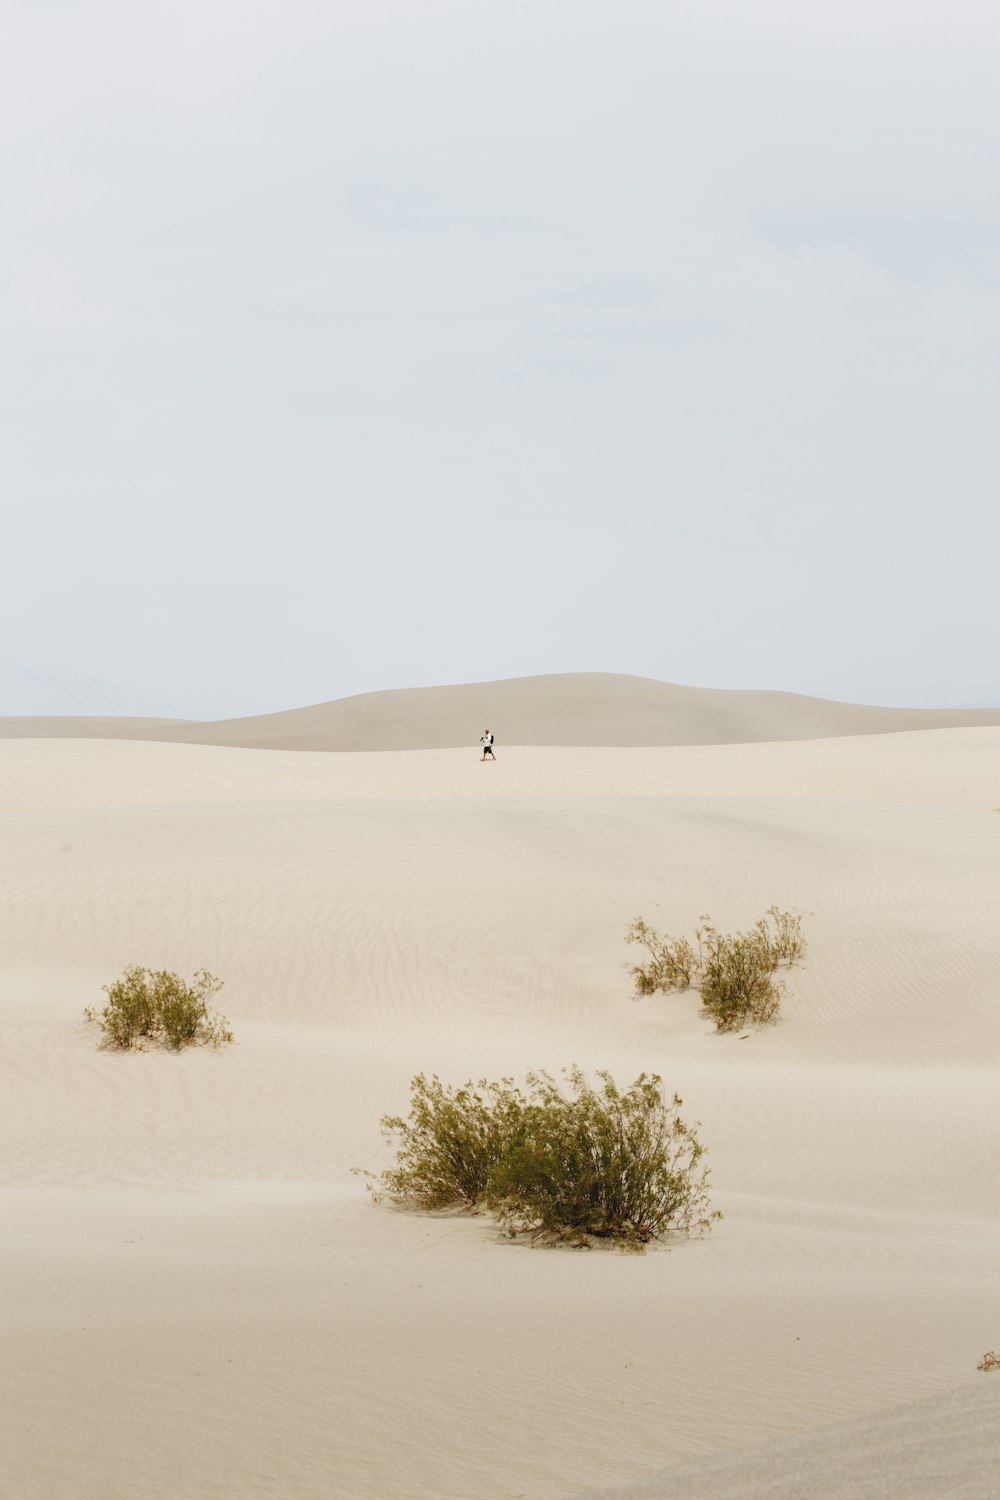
(734, 973)
(596, 1161)
(738, 987)
(153, 1005)
(672, 962)
(786, 941)
(565, 1165)
(450, 1142)
(989, 1361)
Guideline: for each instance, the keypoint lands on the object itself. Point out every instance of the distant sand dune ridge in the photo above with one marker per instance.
(576, 708)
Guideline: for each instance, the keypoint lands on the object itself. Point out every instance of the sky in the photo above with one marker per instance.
(356, 344)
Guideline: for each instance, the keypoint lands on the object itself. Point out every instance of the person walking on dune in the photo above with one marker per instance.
(487, 744)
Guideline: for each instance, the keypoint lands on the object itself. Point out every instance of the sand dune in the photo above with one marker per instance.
(943, 768)
(942, 1449)
(570, 709)
(201, 1300)
(42, 726)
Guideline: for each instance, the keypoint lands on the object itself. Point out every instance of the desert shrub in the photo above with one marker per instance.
(785, 940)
(737, 985)
(601, 1162)
(989, 1361)
(130, 1013)
(733, 973)
(672, 962)
(155, 1005)
(450, 1142)
(590, 1162)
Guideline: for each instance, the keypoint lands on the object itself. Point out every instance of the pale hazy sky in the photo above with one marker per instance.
(371, 344)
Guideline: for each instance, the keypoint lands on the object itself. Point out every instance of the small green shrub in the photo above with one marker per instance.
(786, 941)
(450, 1142)
(737, 985)
(591, 1162)
(672, 962)
(734, 973)
(157, 1006)
(130, 1013)
(601, 1162)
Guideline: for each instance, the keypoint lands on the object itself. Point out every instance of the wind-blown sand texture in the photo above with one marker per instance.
(927, 1450)
(200, 1300)
(574, 708)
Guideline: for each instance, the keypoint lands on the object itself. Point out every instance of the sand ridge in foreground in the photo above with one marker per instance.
(184, 1245)
(570, 708)
(946, 1447)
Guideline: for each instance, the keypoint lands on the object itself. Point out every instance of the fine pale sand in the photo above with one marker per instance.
(945, 1447)
(573, 708)
(201, 1302)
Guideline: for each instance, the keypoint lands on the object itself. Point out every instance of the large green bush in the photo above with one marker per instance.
(450, 1142)
(153, 1005)
(602, 1162)
(575, 1164)
(734, 972)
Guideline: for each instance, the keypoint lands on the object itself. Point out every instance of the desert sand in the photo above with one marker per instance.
(570, 708)
(947, 1446)
(200, 1299)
